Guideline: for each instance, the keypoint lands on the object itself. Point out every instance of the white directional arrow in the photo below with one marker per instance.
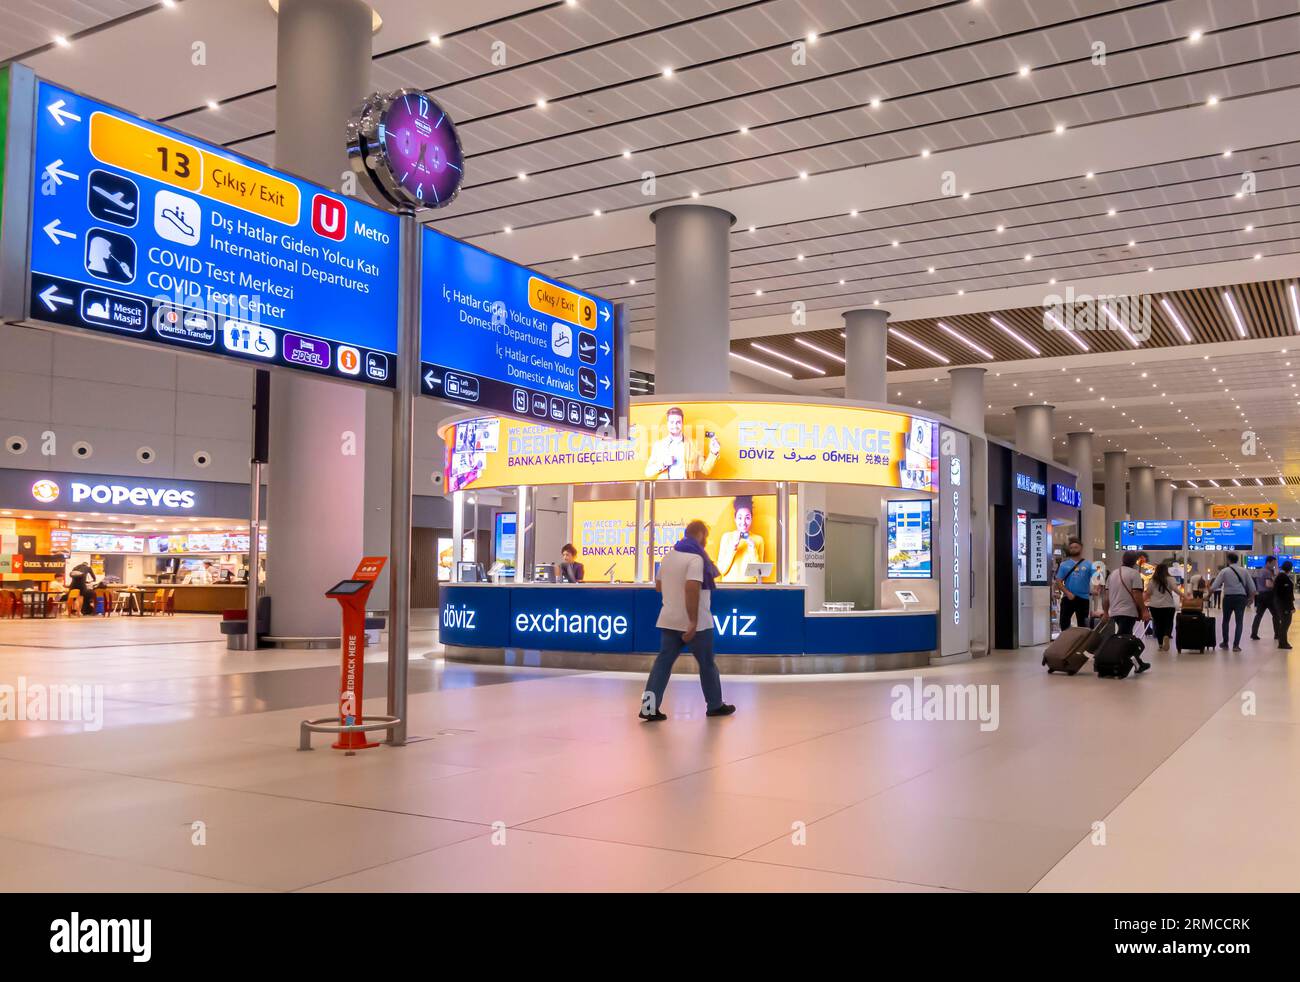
(61, 115)
(604, 312)
(56, 173)
(52, 299)
(604, 419)
(604, 346)
(431, 380)
(605, 382)
(55, 233)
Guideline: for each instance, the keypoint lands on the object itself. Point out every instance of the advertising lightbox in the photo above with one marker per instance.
(142, 233)
(719, 441)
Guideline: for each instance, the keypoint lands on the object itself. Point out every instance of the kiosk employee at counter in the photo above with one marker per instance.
(568, 569)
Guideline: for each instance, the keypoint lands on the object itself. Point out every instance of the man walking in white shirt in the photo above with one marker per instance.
(685, 580)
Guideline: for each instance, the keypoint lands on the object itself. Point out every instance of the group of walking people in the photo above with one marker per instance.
(1126, 598)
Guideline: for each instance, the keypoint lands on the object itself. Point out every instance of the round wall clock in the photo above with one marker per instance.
(407, 147)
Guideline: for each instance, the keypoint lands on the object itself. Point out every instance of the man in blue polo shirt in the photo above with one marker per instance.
(1074, 576)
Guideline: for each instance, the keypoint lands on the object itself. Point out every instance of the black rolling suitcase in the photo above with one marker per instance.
(1193, 631)
(1114, 659)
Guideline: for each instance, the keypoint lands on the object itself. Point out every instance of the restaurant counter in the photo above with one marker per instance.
(196, 598)
(759, 628)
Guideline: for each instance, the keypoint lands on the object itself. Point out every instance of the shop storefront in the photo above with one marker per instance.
(841, 534)
(1035, 512)
(139, 536)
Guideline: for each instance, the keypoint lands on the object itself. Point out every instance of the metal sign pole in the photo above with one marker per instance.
(399, 572)
(261, 455)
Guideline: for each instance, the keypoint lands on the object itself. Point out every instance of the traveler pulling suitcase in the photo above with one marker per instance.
(1114, 659)
(1069, 651)
(1193, 631)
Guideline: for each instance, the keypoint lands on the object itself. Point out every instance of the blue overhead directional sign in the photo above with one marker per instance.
(142, 232)
(503, 338)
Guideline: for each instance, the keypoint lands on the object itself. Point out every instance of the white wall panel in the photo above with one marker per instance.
(109, 361)
(24, 396)
(221, 417)
(25, 350)
(81, 403)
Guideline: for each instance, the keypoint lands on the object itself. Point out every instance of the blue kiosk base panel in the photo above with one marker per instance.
(757, 630)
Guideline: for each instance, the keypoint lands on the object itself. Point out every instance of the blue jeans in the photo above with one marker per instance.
(671, 645)
(1234, 604)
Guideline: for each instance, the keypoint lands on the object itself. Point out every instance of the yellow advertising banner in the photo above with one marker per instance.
(742, 530)
(719, 441)
(1261, 510)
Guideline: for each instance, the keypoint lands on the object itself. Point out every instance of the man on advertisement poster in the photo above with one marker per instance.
(677, 457)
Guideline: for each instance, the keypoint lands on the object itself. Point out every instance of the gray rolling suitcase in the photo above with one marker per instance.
(1069, 652)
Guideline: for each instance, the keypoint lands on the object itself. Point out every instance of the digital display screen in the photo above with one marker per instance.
(909, 525)
(503, 538)
(1257, 562)
(142, 232)
(1223, 536)
(348, 587)
(1151, 535)
(502, 338)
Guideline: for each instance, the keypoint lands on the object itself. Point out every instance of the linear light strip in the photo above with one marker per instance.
(753, 361)
(1295, 307)
(1105, 308)
(793, 361)
(1236, 317)
(820, 350)
(1082, 344)
(965, 340)
(917, 344)
(1014, 336)
(1178, 321)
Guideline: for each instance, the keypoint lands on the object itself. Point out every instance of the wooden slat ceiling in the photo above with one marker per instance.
(1265, 310)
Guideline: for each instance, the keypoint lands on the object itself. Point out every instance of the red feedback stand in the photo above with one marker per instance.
(352, 595)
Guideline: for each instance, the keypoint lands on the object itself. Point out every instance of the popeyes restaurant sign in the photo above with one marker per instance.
(122, 494)
(717, 441)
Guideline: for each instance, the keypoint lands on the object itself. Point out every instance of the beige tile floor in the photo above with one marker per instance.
(537, 780)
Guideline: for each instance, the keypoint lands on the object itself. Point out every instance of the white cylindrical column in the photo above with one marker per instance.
(867, 334)
(966, 398)
(1196, 509)
(316, 488)
(1142, 492)
(1034, 431)
(1081, 462)
(1178, 511)
(1116, 474)
(692, 299)
(1164, 498)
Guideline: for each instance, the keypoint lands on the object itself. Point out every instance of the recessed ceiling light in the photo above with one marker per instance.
(1110, 212)
(1060, 128)
(668, 73)
(1195, 36)
(744, 130)
(1088, 176)
(507, 230)
(435, 40)
(631, 282)
(755, 361)
(627, 153)
(1212, 100)
(61, 41)
(523, 176)
(541, 103)
(753, 228)
(812, 37)
(803, 175)
(875, 103)
(1227, 153)
(1024, 70)
(853, 213)
(925, 152)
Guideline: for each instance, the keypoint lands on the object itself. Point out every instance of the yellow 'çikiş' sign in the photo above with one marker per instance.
(719, 441)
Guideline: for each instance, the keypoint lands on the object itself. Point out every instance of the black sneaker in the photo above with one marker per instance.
(1143, 666)
(723, 710)
(1224, 646)
(1255, 637)
(652, 717)
(1236, 647)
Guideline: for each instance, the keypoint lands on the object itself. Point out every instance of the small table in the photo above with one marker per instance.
(134, 604)
(33, 599)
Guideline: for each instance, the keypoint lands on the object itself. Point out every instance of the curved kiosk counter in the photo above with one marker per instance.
(841, 532)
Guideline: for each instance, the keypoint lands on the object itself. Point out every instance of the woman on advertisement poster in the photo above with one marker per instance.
(741, 546)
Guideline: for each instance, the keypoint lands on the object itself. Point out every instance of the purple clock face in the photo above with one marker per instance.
(423, 149)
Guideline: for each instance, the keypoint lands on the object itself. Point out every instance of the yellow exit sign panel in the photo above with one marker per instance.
(1263, 510)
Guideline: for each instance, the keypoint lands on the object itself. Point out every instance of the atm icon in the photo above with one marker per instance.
(539, 405)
